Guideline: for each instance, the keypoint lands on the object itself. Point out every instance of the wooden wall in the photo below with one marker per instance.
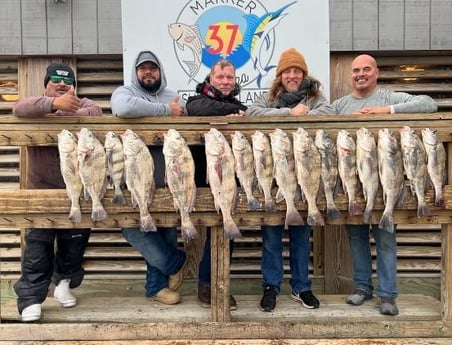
(78, 27)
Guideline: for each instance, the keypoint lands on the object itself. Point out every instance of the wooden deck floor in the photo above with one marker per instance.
(101, 318)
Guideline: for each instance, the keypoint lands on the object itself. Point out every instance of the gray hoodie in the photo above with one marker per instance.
(135, 101)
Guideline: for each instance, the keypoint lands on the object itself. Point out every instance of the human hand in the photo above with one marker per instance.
(176, 108)
(299, 110)
(67, 102)
(374, 110)
(240, 113)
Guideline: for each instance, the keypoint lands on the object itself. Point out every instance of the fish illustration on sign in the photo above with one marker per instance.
(256, 38)
(188, 35)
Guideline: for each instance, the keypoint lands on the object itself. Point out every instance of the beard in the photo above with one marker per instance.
(151, 87)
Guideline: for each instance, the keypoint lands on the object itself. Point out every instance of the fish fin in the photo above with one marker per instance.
(279, 195)
(269, 206)
(315, 219)
(333, 212)
(386, 223)
(147, 224)
(231, 230)
(423, 211)
(75, 215)
(354, 209)
(253, 204)
(293, 218)
(188, 231)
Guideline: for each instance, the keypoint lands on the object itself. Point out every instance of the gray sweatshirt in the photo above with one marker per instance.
(135, 101)
(402, 102)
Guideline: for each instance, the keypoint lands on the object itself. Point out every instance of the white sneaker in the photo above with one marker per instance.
(63, 294)
(31, 313)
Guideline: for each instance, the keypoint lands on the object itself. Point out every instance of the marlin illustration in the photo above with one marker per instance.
(188, 35)
(256, 38)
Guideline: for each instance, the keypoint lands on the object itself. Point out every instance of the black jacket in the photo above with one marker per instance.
(210, 102)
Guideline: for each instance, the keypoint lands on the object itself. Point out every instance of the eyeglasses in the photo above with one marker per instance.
(56, 79)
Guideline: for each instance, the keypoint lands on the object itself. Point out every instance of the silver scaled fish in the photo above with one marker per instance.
(284, 174)
(390, 170)
(115, 166)
(92, 164)
(244, 167)
(139, 176)
(414, 160)
(221, 179)
(67, 147)
(263, 166)
(180, 178)
(308, 171)
(329, 174)
(367, 166)
(436, 163)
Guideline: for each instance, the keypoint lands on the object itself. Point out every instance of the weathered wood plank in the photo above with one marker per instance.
(134, 319)
(84, 24)
(10, 28)
(417, 25)
(33, 21)
(109, 39)
(59, 28)
(441, 28)
(341, 25)
(391, 24)
(365, 25)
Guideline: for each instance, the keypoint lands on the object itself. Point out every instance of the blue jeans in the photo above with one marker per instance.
(299, 255)
(362, 261)
(159, 249)
(205, 264)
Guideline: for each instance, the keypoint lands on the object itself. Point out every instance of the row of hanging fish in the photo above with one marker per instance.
(302, 167)
(387, 162)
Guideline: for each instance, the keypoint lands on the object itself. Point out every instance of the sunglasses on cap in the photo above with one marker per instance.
(56, 79)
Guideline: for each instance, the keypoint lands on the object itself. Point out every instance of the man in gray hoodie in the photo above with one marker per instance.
(148, 95)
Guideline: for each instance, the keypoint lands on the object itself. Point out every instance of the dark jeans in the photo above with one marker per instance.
(43, 262)
(205, 264)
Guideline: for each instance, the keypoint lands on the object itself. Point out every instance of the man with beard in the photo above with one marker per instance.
(51, 255)
(148, 95)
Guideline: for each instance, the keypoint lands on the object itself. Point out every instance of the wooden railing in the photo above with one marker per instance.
(50, 208)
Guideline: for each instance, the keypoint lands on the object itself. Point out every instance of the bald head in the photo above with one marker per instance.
(364, 75)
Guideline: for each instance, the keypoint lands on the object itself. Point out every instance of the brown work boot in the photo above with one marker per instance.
(166, 296)
(176, 280)
(204, 297)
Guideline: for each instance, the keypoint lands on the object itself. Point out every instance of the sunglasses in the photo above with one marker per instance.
(56, 79)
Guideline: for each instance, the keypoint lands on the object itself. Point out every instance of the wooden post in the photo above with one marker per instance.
(220, 275)
(446, 255)
(338, 261)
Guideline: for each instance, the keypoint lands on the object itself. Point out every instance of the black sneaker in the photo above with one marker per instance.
(268, 301)
(306, 298)
(204, 295)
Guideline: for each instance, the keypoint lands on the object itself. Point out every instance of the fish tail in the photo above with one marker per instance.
(315, 218)
(354, 209)
(293, 218)
(188, 231)
(386, 222)
(439, 201)
(118, 197)
(367, 215)
(253, 204)
(147, 224)
(424, 211)
(269, 206)
(75, 215)
(231, 230)
(98, 213)
(332, 212)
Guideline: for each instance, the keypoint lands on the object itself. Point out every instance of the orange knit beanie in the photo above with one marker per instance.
(291, 58)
